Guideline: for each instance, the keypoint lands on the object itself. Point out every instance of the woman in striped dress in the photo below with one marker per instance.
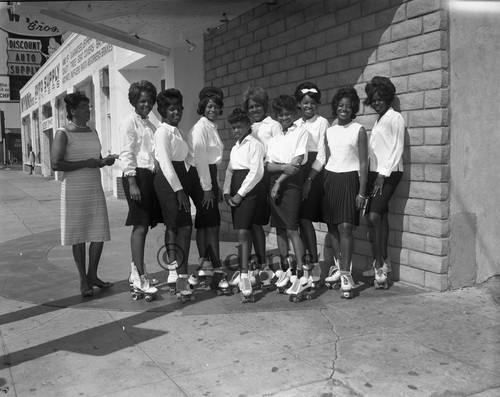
(76, 151)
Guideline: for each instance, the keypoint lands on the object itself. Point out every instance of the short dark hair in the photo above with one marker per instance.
(383, 87)
(204, 102)
(239, 115)
(307, 88)
(346, 92)
(285, 102)
(73, 100)
(168, 97)
(256, 94)
(136, 89)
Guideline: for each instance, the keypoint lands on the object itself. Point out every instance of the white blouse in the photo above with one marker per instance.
(138, 149)
(247, 155)
(386, 143)
(205, 148)
(266, 129)
(170, 146)
(284, 147)
(316, 127)
(339, 150)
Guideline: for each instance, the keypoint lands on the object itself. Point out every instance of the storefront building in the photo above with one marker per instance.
(104, 72)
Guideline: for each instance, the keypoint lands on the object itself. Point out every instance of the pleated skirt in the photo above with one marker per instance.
(339, 200)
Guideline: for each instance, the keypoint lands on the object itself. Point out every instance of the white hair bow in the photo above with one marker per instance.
(306, 90)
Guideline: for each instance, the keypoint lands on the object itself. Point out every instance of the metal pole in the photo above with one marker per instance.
(2, 128)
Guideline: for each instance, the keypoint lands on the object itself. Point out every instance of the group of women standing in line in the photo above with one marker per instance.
(293, 171)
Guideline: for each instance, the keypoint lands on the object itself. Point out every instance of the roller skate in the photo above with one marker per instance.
(205, 272)
(142, 289)
(381, 281)
(300, 289)
(134, 273)
(253, 272)
(315, 274)
(223, 287)
(283, 281)
(172, 277)
(234, 282)
(265, 277)
(371, 272)
(183, 289)
(347, 285)
(246, 289)
(332, 281)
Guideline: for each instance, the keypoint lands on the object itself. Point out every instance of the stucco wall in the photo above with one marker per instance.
(475, 117)
(334, 43)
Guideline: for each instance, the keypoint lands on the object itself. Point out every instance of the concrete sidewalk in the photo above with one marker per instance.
(405, 341)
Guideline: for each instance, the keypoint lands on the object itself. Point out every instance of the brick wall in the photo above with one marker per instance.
(334, 43)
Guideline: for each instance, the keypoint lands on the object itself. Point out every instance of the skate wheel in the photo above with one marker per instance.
(346, 294)
(308, 297)
(234, 290)
(252, 299)
(149, 298)
(135, 297)
(172, 291)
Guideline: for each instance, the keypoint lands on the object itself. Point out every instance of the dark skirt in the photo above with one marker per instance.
(173, 217)
(339, 200)
(380, 203)
(148, 211)
(263, 213)
(312, 205)
(285, 209)
(244, 214)
(205, 217)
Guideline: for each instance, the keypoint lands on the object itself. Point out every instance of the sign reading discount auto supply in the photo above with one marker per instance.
(24, 56)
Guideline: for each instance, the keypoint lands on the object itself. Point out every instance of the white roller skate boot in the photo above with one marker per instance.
(205, 272)
(234, 282)
(300, 289)
(172, 276)
(223, 287)
(371, 272)
(134, 274)
(381, 281)
(315, 274)
(246, 289)
(283, 281)
(332, 281)
(347, 285)
(265, 277)
(184, 290)
(142, 289)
